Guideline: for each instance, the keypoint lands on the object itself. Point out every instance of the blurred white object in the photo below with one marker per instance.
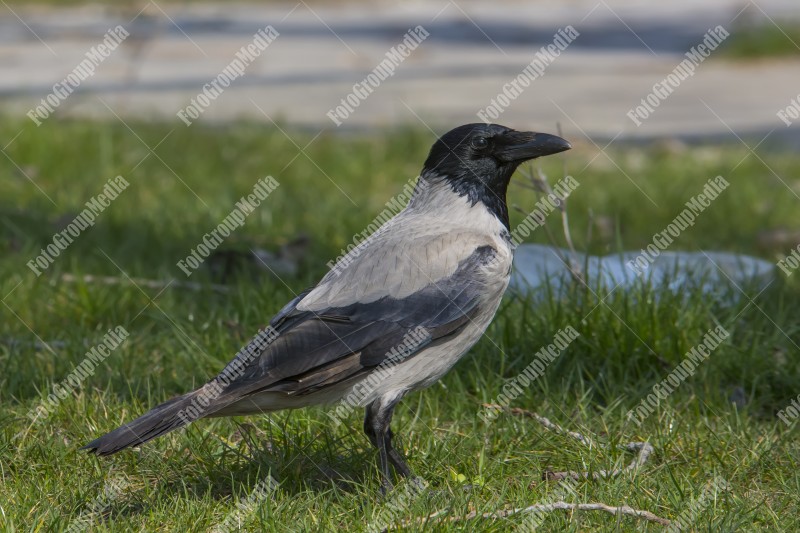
(538, 266)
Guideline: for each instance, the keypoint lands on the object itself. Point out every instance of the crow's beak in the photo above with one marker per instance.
(519, 146)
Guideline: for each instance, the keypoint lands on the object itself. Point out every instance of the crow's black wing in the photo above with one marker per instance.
(315, 348)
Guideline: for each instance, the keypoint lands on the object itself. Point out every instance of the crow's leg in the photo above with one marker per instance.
(396, 458)
(376, 425)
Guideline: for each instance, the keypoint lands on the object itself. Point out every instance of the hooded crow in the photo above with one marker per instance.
(392, 316)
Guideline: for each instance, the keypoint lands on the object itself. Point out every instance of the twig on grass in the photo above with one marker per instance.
(645, 449)
(439, 516)
(540, 185)
(545, 422)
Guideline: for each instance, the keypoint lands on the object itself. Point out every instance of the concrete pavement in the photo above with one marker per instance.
(473, 50)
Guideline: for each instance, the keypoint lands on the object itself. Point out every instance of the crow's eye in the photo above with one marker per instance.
(479, 143)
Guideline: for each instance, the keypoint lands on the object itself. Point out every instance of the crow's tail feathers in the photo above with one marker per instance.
(162, 419)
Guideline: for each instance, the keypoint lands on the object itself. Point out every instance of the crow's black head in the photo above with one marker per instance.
(477, 160)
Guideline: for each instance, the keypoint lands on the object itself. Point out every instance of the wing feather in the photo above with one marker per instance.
(318, 348)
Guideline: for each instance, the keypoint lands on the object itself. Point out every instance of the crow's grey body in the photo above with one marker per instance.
(435, 272)
(451, 281)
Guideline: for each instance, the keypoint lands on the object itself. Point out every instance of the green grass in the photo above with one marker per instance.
(763, 40)
(191, 480)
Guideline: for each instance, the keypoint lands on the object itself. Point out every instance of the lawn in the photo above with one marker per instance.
(764, 39)
(720, 424)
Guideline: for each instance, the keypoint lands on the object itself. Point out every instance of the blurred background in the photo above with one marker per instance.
(94, 90)
(295, 102)
(474, 48)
